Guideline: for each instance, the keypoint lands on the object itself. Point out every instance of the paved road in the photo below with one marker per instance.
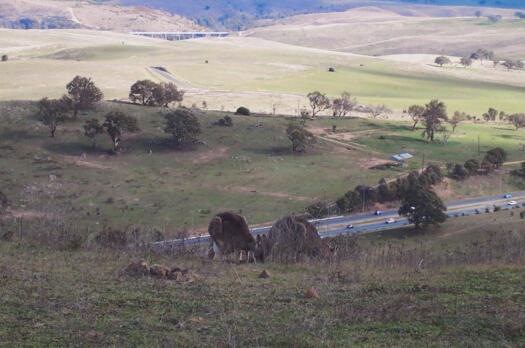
(335, 226)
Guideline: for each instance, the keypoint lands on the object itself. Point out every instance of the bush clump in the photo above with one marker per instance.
(226, 122)
(243, 111)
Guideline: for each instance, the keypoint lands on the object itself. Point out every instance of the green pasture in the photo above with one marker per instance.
(377, 83)
(461, 146)
(242, 168)
(44, 62)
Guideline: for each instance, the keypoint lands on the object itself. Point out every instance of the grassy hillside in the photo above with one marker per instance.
(50, 14)
(243, 168)
(242, 70)
(239, 14)
(381, 32)
(450, 287)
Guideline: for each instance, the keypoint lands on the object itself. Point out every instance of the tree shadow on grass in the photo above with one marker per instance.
(516, 137)
(138, 144)
(271, 151)
(504, 129)
(407, 232)
(72, 148)
(283, 151)
(19, 135)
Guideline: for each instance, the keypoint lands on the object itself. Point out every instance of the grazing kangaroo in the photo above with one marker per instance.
(230, 234)
(294, 239)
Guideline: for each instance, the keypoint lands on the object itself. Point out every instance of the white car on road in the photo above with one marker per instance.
(512, 203)
(390, 221)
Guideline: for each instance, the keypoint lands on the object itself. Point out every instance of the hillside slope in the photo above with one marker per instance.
(416, 30)
(48, 14)
(241, 14)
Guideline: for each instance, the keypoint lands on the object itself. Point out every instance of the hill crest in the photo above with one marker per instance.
(48, 14)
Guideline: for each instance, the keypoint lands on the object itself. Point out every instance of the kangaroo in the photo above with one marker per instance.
(230, 234)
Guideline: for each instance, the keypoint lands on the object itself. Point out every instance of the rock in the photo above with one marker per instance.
(189, 276)
(311, 293)
(177, 276)
(264, 274)
(141, 268)
(138, 268)
(52, 177)
(160, 271)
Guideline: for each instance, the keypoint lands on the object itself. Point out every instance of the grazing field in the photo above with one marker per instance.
(240, 70)
(458, 286)
(243, 168)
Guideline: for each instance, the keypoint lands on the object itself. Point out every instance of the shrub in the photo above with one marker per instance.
(5, 58)
(183, 125)
(112, 238)
(226, 121)
(318, 210)
(243, 111)
(459, 172)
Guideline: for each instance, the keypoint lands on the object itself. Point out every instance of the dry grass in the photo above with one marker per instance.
(98, 16)
(387, 290)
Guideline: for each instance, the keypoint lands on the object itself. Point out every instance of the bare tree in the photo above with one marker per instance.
(378, 110)
(318, 102)
(275, 105)
(457, 119)
(466, 61)
(344, 105)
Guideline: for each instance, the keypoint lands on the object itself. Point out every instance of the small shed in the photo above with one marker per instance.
(401, 156)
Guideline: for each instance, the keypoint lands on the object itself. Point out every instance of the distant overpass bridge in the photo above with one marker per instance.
(182, 35)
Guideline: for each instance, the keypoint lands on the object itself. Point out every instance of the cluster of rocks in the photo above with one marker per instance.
(141, 269)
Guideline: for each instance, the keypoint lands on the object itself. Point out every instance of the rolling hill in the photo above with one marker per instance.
(415, 30)
(48, 14)
(240, 14)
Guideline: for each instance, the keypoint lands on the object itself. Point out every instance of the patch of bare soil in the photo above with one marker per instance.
(29, 214)
(352, 135)
(318, 130)
(371, 162)
(211, 154)
(281, 195)
(81, 162)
